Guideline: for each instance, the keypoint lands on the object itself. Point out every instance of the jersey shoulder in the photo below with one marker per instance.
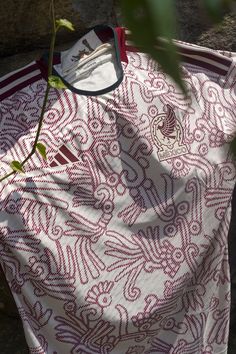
(18, 79)
(206, 59)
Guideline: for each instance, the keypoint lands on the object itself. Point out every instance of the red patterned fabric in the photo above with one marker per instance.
(118, 243)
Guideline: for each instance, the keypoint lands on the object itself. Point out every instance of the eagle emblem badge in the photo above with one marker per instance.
(168, 135)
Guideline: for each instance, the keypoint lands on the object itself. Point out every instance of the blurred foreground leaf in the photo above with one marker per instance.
(153, 26)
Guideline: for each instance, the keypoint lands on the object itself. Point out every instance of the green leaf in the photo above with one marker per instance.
(56, 82)
(64, 23)
(150, 20)
(42, 150)
(16, 166)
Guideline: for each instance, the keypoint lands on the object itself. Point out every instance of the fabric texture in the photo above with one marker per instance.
(118, 242)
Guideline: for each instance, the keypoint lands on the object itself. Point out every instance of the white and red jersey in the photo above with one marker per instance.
(118, 242)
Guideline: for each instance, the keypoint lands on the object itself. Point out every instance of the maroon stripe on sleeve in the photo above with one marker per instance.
(189, 60)
(205, 65)
(68, 154)
(18, 75)
(60, 159)
(218, 58)
(20, 86)
(194, 51)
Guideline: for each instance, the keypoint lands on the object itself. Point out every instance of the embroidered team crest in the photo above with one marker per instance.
(168, 135)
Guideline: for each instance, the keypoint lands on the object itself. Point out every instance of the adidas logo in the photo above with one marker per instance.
(63, 157)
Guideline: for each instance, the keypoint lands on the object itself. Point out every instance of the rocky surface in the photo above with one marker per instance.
(192, 20)
(222, 36)
(26, 25)
(26, 32)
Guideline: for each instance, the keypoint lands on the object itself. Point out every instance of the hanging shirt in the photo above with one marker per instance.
(118, 242)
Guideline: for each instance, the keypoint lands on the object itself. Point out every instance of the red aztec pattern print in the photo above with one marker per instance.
(118, 245)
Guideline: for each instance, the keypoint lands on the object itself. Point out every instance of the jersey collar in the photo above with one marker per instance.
(104, 33)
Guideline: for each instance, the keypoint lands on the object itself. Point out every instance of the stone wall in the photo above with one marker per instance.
(26, 24)
(196, 27)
